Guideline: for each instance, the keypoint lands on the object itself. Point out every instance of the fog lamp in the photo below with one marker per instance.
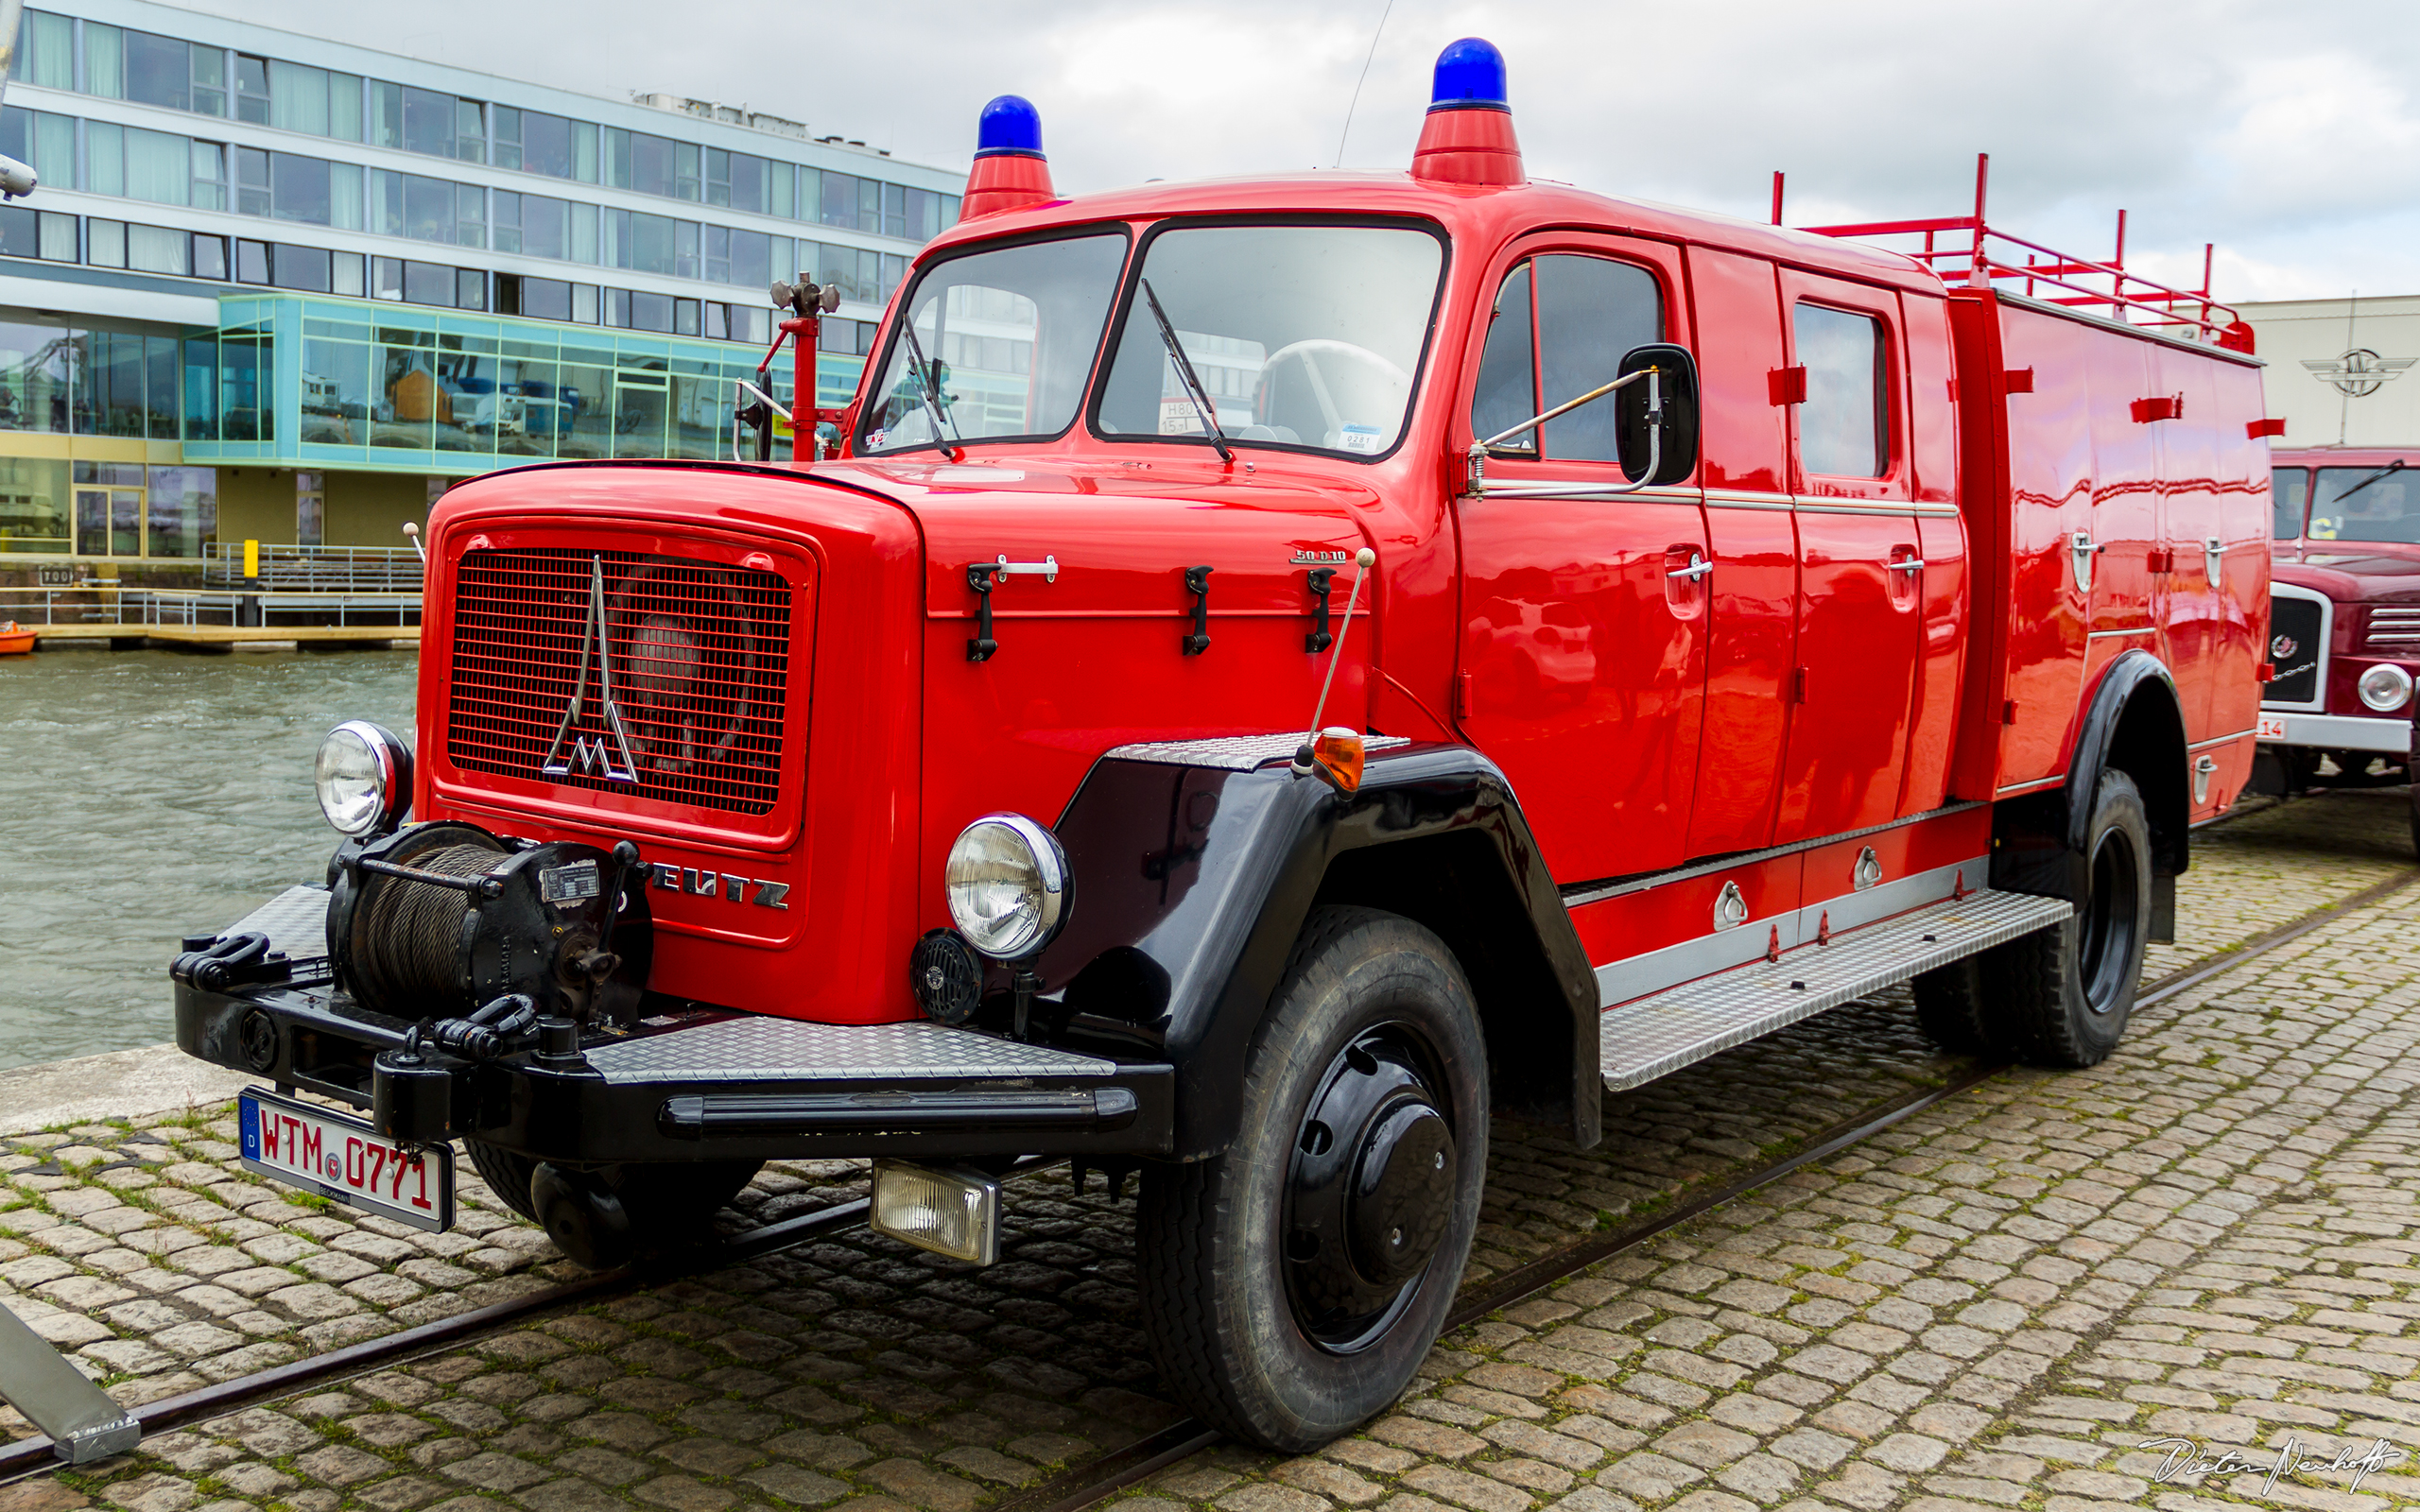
(950, 1212)
(2386, 687)
(1007, 882)
(364, 777)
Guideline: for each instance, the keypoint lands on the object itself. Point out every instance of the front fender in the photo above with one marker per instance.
(1195, 863)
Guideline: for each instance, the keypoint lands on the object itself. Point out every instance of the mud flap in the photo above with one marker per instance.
(2163, 930)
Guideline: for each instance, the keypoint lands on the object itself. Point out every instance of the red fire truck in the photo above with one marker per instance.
(1278, 673)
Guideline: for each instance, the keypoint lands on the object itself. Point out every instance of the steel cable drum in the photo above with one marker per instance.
(560, 922)
(402, 950)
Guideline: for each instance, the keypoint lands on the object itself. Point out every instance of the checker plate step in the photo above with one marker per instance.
(1659, 1034)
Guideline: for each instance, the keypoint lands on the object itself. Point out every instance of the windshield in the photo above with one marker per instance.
(2345, 508)
(1009, 337)
(1305, 336)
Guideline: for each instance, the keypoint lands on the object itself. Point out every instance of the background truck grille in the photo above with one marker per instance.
(2295, 649)
(699, 661)
(2394, 628)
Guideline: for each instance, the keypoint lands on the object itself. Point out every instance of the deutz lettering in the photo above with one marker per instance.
(698, 882)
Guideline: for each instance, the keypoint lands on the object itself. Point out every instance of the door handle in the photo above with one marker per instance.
(2081, 543)
(1697, 568)
(1911, 564)
(2214, 559)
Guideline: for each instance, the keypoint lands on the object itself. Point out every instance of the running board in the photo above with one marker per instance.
(1658, 1035)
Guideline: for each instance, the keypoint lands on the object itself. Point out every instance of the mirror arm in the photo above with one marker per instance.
(1477, 458)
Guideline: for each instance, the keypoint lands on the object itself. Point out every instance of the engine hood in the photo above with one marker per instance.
(2359, 572)
(1117, 539)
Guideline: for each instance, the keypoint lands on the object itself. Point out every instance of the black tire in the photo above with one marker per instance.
(1950, 1009)
(1240, 1288)
(2061, 996)
(667, 1205)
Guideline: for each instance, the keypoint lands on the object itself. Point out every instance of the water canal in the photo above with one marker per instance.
(145, 794)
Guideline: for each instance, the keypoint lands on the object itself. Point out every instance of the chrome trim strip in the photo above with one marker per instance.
(2221, 740)
(2027, 787)
(2104, 635)
(1640, 975)
(1595, 893)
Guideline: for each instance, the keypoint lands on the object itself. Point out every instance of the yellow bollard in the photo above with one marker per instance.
(251, 559)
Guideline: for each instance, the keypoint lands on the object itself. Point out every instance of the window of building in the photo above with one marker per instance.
(44, 140)
(105, 242)
(301, 268)
(540, 144)
(209, 256)
(209, 81)
(20, 232)
(470, 289)
(159, 71)
(36, 383)
(310, 510)
(252, 262)
(470, 216)
(252, 92)
(103, 61)
(428, 122)
(301, 188)
(584, 305)
(469, 130)
(181, 511)
(58, 238)
(298, 98)
(1845, 426)
(346, 275)
(158, 249)
(428, 284)
(46, 50)
(104, 158)
(253, 194)
(209, 180)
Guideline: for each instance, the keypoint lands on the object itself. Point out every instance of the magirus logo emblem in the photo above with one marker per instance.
(2284, 647)
(592, 753)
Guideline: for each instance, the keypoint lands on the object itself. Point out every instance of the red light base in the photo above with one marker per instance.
(1474, 146)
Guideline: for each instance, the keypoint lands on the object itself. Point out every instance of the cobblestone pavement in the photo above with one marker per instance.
(1997, 1302)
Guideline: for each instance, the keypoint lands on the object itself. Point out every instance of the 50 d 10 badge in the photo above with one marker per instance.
(731, 887)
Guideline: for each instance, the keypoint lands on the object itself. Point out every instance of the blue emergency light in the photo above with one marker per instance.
(1011, 127)
(1470, 76)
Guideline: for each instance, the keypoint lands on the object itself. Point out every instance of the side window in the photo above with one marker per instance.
(1508, 369)
(2289, 495)
(1590, 312)
(1845, 426)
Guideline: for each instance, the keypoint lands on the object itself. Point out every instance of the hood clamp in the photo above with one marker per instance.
(1196, 582)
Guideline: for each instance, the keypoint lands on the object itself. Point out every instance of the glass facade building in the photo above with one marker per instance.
(271, 275)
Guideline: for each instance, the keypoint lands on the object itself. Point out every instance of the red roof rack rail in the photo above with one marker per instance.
(1965, 249)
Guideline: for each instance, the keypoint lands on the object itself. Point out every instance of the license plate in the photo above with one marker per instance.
(2272, 727)
(347, 1159)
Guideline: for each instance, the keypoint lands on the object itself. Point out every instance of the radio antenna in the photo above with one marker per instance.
(1361, 563)
(1355, 103)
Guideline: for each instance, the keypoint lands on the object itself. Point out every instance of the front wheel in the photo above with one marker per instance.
(1293, 1284)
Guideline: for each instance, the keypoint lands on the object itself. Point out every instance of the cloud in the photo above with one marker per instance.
(2289, 136)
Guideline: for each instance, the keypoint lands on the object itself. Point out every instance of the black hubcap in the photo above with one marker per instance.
(1369, 1189)
(2108, 924)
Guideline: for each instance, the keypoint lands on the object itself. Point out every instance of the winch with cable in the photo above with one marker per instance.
(438, 920)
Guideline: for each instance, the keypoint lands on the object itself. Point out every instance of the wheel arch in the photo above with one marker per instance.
(2134, 723)
(1192, 882)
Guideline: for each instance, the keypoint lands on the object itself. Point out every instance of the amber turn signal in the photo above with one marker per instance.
(1337, 754)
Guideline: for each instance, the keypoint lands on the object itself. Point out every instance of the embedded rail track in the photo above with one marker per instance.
(1088, 1483)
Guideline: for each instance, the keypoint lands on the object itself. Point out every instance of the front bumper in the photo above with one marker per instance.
(2385, 734)
(686, 1084)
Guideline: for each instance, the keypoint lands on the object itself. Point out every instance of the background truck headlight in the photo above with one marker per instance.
(2386, 687)
(364, 776)
(1007, 881)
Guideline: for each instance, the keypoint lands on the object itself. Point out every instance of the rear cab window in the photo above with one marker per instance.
(1845, 424)
(2288, 500)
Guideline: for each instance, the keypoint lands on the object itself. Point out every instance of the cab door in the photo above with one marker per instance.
(1582, 668)
(1861, 559)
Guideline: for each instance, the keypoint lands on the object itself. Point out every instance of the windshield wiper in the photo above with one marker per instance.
(2395, 466)
(1193, 389)
(928, 385)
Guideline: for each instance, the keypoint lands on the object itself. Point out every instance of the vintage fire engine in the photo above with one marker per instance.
(1278, 673)
(2344, 618)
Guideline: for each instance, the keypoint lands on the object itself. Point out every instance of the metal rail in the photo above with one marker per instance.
(104, 606)
(1087, 1485)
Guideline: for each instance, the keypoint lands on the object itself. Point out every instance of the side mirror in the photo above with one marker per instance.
(1666, 434)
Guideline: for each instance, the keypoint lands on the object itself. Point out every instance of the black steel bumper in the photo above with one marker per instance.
(695, 1085)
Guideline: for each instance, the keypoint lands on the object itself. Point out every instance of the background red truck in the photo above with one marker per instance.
(2344, 617)
(952, 800)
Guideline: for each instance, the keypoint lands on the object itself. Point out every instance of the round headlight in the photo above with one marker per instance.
(364, 776)
(1007, 880)
(2386, 687)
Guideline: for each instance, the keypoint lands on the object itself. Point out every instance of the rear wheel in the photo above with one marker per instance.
(1293, 1284)
(601, 1218)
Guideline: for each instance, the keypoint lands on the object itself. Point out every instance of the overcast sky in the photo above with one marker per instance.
(2287, 134)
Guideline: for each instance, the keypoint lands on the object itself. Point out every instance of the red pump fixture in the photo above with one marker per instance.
(1468, 137)
(1010, 171)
